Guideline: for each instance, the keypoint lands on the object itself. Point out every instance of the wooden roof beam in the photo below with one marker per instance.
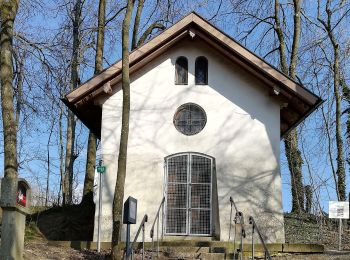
(289, 116)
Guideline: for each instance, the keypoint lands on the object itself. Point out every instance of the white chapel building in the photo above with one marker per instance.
(207, 117)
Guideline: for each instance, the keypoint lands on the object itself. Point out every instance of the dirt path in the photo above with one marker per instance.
(42, 251)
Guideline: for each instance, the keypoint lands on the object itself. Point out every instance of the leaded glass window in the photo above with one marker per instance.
(190, 119)
(181, 71)
(201, 71)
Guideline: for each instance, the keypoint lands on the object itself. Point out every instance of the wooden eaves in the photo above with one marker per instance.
(297, 102)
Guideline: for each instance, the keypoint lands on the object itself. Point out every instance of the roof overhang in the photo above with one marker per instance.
(297, 102)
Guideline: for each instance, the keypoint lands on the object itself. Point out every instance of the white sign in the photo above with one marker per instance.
(339, 209)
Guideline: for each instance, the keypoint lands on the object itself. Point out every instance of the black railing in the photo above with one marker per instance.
(239, 219)
(255, 228)
(156, 220)
(141, 228)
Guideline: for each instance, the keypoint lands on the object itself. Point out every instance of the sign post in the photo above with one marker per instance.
(100, 169)
(339, 210)
(129, 217)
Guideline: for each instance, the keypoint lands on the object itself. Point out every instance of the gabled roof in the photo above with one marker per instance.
(298, 101)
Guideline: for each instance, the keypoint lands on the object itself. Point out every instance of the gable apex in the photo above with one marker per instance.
(299, 102)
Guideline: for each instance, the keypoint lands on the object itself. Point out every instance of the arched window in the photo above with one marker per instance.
(181, 69)
(201, 71)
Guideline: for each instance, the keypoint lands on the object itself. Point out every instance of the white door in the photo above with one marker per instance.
(188, 194)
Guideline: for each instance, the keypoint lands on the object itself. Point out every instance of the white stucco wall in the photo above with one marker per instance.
(242, 133)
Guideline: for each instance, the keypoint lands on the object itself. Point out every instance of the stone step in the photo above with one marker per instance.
(259, 252)
(203, 253)
(189, 256)
(204, 256)
(187, 253)
(182, 255)
(173, 258)
(212, 256)
(185, 249)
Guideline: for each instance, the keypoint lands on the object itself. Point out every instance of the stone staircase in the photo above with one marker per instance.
(216, 250)
(189, 250)
(205, 250)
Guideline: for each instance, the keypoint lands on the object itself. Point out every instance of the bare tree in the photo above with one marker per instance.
(293, 153)
(329, 28)
(67, 187)
(275, 31)
(122, 157)
(92, 141)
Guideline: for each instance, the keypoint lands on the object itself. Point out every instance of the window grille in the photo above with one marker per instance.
(181, 71)
(190, 119)
(188, 194)
(201, 71)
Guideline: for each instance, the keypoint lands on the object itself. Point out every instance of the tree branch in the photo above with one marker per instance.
(115, 15)
(149, 32)
(136, 24)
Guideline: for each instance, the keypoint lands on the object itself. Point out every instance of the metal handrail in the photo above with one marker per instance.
(141, 227)
(239, 215)
(239, 218)
(156, 219)
(255, 227)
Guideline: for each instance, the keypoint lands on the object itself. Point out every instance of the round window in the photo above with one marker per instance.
(190, 119)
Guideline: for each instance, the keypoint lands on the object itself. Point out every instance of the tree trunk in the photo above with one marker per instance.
(70, 156)
(308, 198)
(90, 166)
(69, 161)
(346, 97)
(338, 132)
(7, 17)
(91, 149)
(122, 157)
(61, 151)
(48, 165)
(293, 153)
(19, 85)
(295, 162)
(134, 44)
(279, 32)
(296, 38)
